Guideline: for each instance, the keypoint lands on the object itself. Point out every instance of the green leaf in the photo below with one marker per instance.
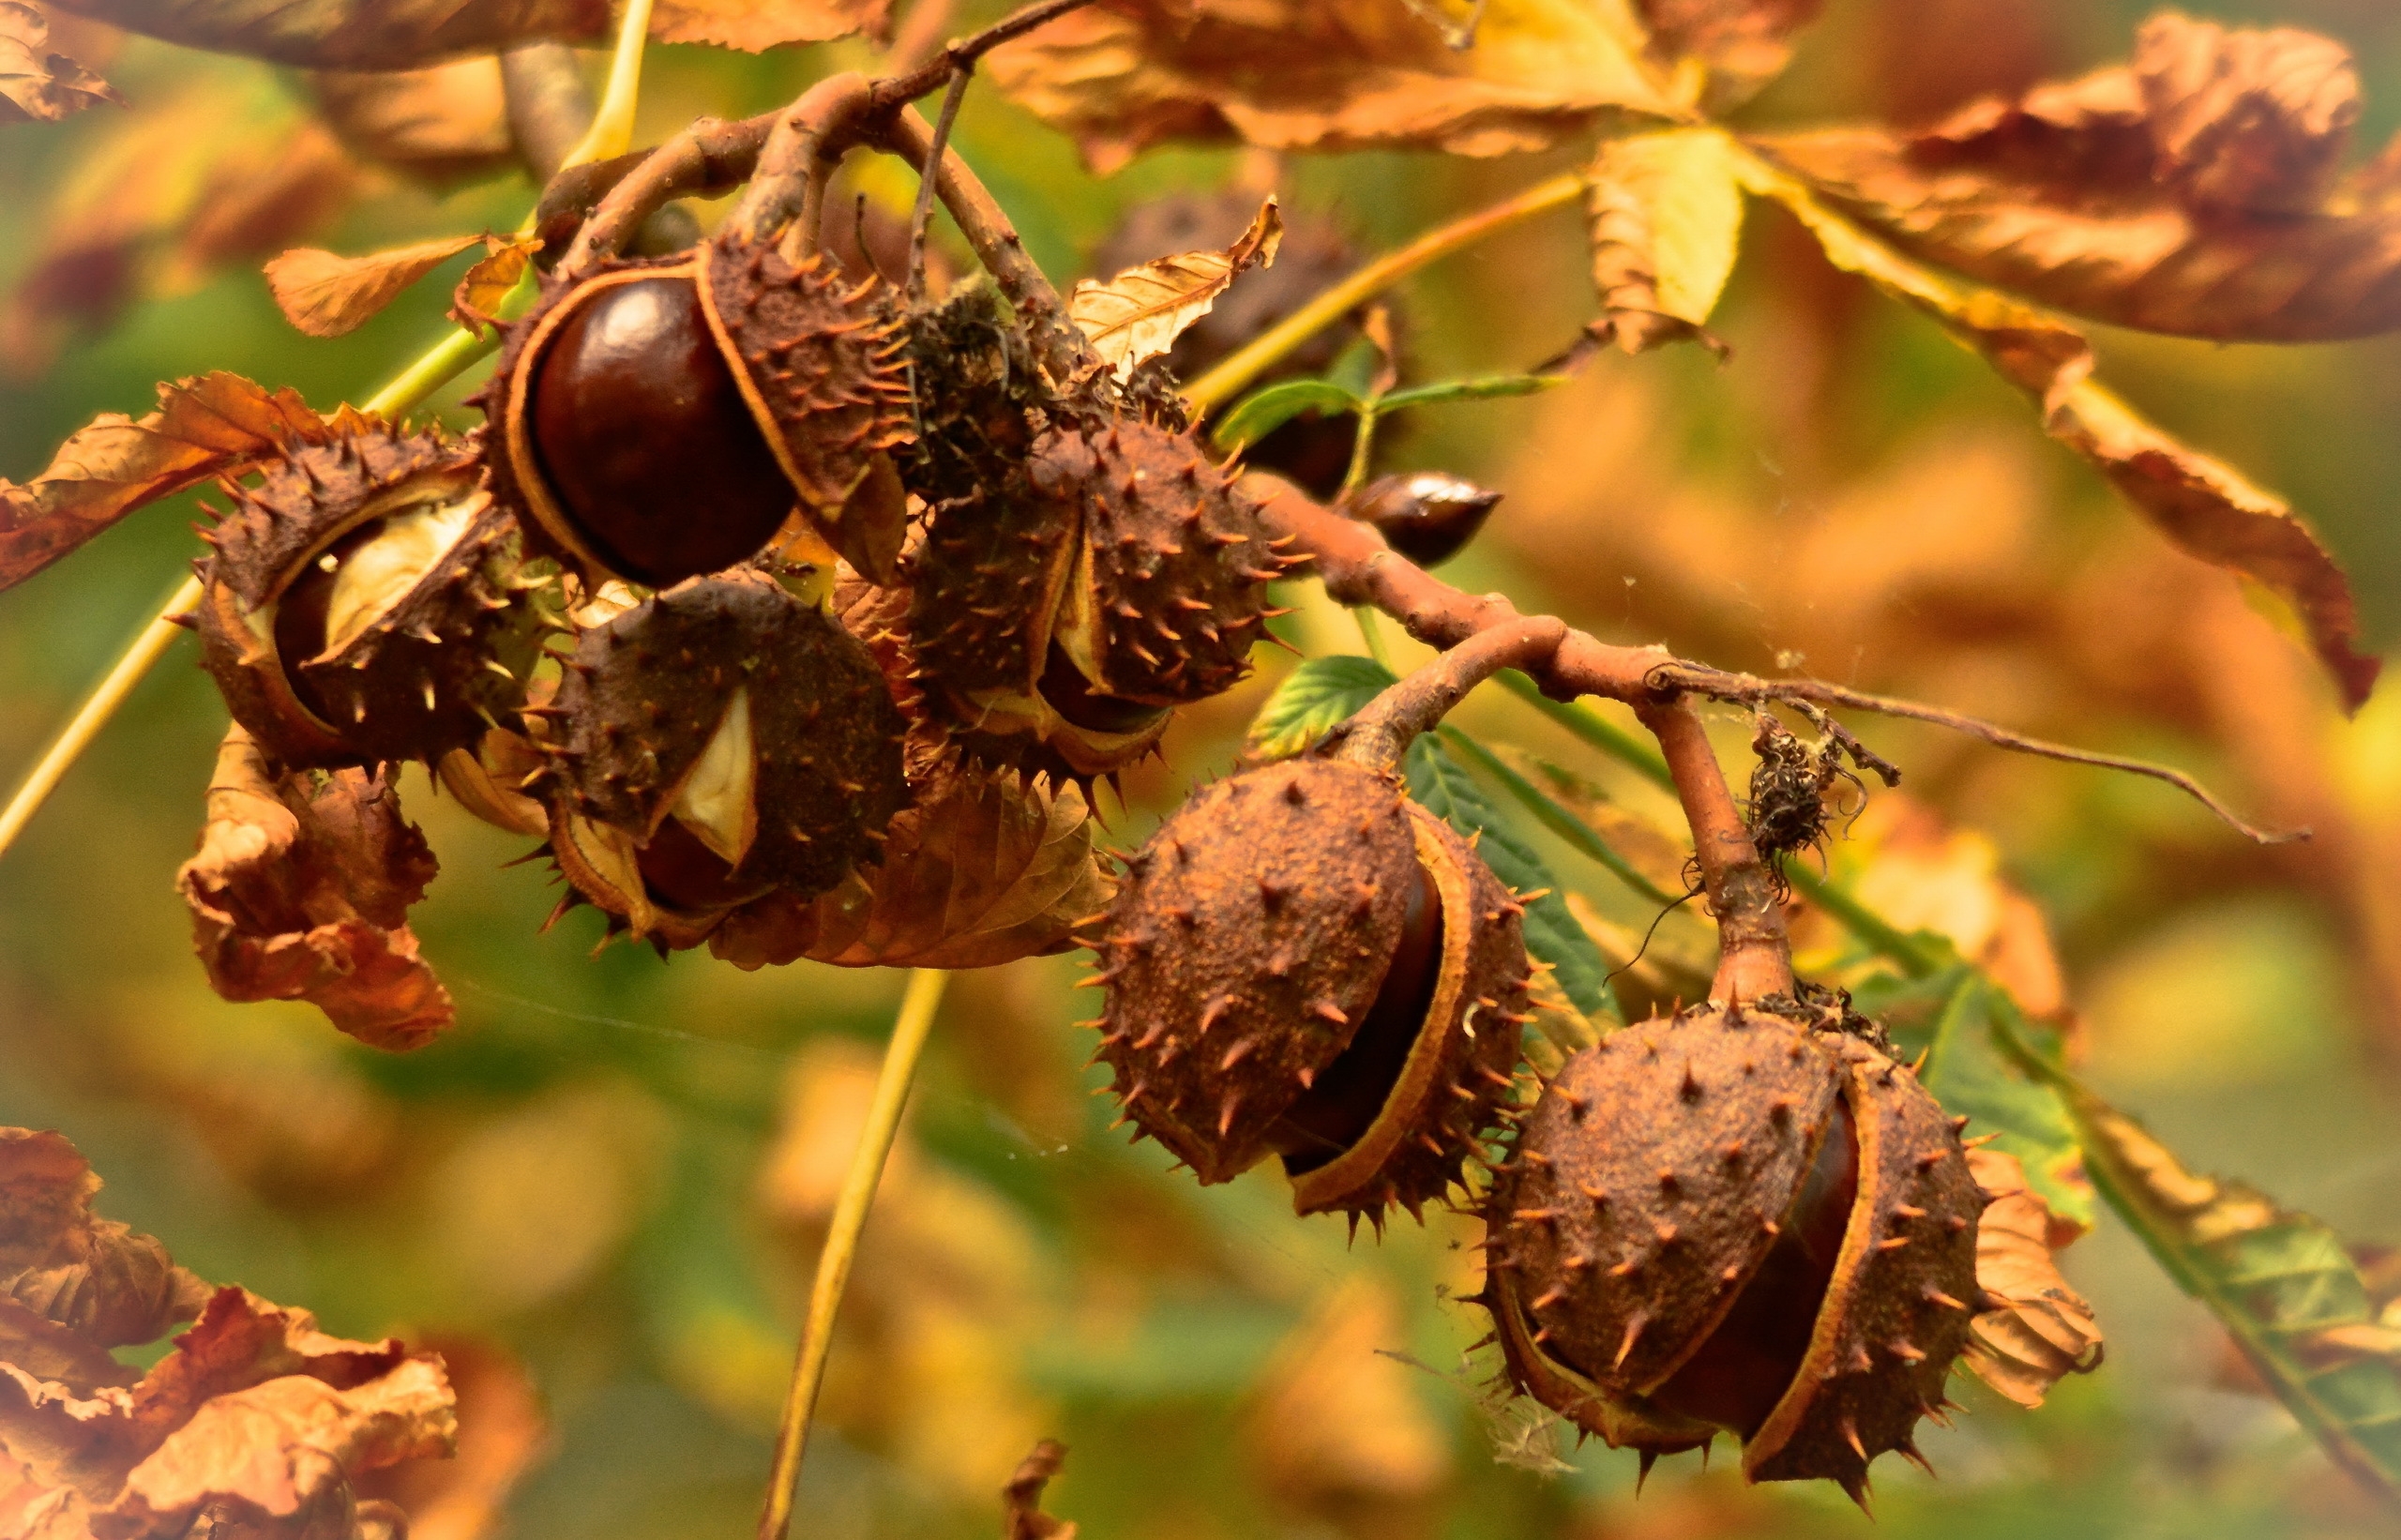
(1969, 1029)
(1437, 779)
(1314, 697)
(1558, 820)
(2282, 1284)
(1481, 388)
(1262, 412)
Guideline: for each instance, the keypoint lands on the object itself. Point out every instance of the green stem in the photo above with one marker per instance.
(1557, 819)
(1596, 730)
(1223, 383)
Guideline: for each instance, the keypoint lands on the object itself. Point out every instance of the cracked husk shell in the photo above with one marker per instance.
(1665, 1172)
(1261, 938)
(734, 736)
(363, 602)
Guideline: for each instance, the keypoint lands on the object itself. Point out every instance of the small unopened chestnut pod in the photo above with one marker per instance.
(657, 420)
(714, 741)
(1305, 964)
(363, 602)
(1118, 574)
(1729, 1221)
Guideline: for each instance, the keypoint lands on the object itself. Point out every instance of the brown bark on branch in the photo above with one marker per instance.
(1754, 959)
(1383, 731)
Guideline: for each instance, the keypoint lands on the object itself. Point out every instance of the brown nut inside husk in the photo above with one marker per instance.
(365, 602)
(661, 421)
(1732, 1221)
(718, 740)
(1305, 964)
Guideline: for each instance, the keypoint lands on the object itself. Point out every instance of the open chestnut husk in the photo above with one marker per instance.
(1305, 964)
(659, 420)
(365, 602)
(716, 742)
(1732, 1220)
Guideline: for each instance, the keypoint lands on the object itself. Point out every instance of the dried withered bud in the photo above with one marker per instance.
(658, 420)
(714, 741)
(1427, 516)
(363, 603)
(1305, 964)
(1732, 1221)
(1119, 574)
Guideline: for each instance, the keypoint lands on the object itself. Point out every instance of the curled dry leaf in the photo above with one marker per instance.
(757, 25)
(1329, 74)
(328, 296)
(1022, 1517)
(2192, 192)
(1667, 218)
(217, 425)
(984, 869)
(503, 1433)
(351, 34)
(35, 84)
(474, 304)
(73, 1285)
(444, 124)
(255, 1422)
(2040, 1330)
(2205, 506)
(301, 891)
(1740, 45)
(1141, 312)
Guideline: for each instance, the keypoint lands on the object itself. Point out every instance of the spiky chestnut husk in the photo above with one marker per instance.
(737, 737)
(363, 602)
(659, 420)
(1731, 1220)
(1302, 962)
(1121, 573)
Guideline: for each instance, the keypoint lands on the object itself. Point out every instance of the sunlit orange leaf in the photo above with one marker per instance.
(35, 84)
(73, 1285)
(981, 871)
(1328, 74)
(756, 25)
(213, 425)
(301, 891)
(2040, 1330)
(351, 34)
(440, 125)
(328, 296)
(1666, 214)
(2204, 505)
(475, 302)
(2192, 192)
(1138, 313)
(503, 1433)
(1742, 43)
(1022, 1517)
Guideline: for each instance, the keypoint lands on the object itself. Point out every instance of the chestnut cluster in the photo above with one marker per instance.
(614, 616)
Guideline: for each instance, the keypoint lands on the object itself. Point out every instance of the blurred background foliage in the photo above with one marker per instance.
(613, 1172)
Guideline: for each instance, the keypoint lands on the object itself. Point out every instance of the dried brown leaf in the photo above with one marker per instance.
(217, 425)
(301, 891)
(445, 123)
(73, 1285)
(757, 25)
(328, 296)
(1022, 1517)
(2192, 191)
(1667, 218)
(1139, 313)
(2040, 1330)
(475, 302)
(351, 34)
(503, 1433)
(35, 84)
(1741, 44)
(982, 870)
(1330, 74)
(2205, 506)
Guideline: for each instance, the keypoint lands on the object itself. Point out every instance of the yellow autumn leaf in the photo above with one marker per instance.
(1139, 313)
